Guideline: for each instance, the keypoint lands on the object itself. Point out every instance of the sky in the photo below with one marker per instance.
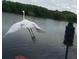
(61, 5)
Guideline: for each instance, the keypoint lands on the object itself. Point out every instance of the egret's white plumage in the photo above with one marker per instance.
(23, 24)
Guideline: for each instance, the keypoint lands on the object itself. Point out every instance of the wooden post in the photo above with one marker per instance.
(66, 54)
(68, 37)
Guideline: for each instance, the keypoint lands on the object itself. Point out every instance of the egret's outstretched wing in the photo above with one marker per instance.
(15, 27)
(38, 28)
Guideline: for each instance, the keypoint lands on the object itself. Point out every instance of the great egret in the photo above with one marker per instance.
(24, 24)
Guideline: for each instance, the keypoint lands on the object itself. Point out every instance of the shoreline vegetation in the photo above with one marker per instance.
(38, 11)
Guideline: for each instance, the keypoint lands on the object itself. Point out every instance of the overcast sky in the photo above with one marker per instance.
(70, 5)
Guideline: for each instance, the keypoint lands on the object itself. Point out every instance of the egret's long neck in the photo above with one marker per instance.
(23, 15)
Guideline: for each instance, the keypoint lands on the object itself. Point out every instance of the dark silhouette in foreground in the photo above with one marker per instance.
(69, 36)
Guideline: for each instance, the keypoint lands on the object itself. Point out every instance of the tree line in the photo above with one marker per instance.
(38, 11)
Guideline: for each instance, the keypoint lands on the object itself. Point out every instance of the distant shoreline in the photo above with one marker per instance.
(37, 11)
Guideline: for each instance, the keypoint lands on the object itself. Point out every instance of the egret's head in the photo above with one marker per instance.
(23, 11)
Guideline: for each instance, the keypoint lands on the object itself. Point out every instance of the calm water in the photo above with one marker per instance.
(48, 45)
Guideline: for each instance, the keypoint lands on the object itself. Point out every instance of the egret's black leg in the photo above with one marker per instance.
(33, 36)
(30, 32)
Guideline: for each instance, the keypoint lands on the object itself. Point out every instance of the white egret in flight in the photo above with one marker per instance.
(24, 24)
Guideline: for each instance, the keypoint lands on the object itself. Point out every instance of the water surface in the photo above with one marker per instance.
(48, 45)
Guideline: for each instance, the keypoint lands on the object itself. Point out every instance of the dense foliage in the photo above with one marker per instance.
(37, 11)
